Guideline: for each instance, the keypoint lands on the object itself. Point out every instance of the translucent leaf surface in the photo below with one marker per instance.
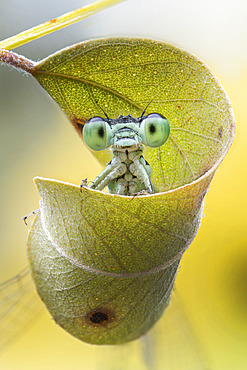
(105, 265)
(123, 75)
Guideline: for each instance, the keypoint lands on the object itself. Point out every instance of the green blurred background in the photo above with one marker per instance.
(206, 325)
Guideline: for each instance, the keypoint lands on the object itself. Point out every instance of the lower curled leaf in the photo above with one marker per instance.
(105, 265)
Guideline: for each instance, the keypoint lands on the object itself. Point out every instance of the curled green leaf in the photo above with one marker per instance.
(122, 76)
(105, 264)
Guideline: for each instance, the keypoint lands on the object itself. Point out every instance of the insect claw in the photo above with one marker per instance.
(30, 214)
(142, 192)
(83, 184)
(24, 219)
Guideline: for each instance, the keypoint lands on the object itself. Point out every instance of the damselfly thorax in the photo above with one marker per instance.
(128, 172)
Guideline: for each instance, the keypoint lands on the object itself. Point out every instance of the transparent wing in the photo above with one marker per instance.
(19, 307)
(172, 344)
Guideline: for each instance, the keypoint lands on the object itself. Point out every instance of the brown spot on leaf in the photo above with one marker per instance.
(78, 124)
(205, 169)
(53, 20)
(101, 317)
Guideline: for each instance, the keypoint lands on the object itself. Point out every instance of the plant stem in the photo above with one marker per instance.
(17, 61)
(56, 24)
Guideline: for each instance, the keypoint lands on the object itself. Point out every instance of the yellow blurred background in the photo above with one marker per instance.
(206, 325)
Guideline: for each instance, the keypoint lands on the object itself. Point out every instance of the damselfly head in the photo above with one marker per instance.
(126, 132)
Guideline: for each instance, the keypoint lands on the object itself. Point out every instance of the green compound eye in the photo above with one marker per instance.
(154, 130)
(97, 134)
